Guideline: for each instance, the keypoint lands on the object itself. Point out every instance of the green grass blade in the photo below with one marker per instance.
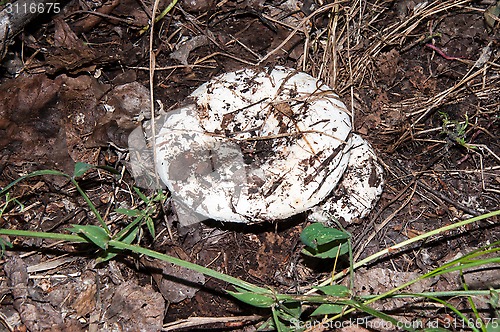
(58, 173)
(91, 206)
(278, 324)
(128, 212)
(438, 294)
(44, 235)
(3, 245)
(143, 197)
(254, 299)
(327, 309)
(151, 226)
(82, 168)
(381, 315)
(195, 267)
(31, 175)
(335, 290)
(132, 227)
(396, 247)
(95, 234)
(158, 18)
(112, 253)
(455, 310)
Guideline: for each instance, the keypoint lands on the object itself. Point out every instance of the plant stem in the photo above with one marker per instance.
(43, 235)
(405, 243)
(209, 272)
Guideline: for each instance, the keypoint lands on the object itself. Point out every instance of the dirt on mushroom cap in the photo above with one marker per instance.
(255, 145)
(359, 189)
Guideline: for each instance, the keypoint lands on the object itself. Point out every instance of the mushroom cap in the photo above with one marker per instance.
(255, 145)
(359, 189)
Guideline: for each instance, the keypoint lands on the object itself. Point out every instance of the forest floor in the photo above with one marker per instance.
(421, 78)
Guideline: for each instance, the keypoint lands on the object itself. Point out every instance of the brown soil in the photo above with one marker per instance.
(403, 67)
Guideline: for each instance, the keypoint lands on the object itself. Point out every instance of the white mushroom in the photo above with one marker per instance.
(266, 145)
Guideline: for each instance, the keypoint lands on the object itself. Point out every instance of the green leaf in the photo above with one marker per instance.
(129, 212)
(3, 244)
(491, 15)
(80, 169)
(494, 298)
(125, 238)
(130, 236)
(335, 290)
(329, 250)
(493, 325)
(44, 235)
(107, 255)
(134, 226)
(268, 325)
(317, 234)
(144, 198)
(30, 175)
(160, 196)
(254, 299)
(327, 309)
(97, 235)
(290, 311)
(280, 326)
(151, 226)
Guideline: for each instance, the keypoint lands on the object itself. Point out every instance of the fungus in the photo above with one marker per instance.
(253, 146)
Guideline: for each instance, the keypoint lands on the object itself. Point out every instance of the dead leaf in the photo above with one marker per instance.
(175, 283)
(33, 122)
(387, 64)
(380, 280)
(85, 301)
(136, 308)
(69, 52)
(36, 315)
(17, 274)
(492, 16)
(183, 49)
(421, 81)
